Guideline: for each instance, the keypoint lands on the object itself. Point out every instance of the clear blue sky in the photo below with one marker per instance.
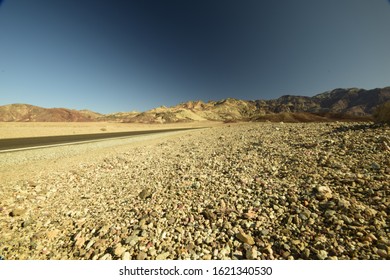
(124, 55)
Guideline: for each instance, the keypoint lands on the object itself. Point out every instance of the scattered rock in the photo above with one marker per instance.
(126, 256)
(146, 193)
(17, 212)
(375, 166)
(209, 215)
(142, 256)
(132, 240)
(251, 253)
(383, 253)
(163, 256)
(119, 250)
(322, 254)
(323, 193)
(246, 238)
(106, 257)
(290, 194)
(179, 230)
(26, 223)
(79, 242)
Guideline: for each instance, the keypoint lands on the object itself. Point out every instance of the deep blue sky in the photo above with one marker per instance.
(124, 55)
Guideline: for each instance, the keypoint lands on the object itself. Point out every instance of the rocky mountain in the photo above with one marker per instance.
(351, 103)
(30, 113)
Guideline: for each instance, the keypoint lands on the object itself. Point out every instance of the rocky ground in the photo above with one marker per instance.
(240, 191)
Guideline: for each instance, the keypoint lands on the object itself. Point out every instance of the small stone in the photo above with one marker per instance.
(209, 215)
(323, 193)
(251, 214)
(179, 230)
(222, 205)
(126, 256)
(104, 230)
(119, 250)
(106, 257)
(251, 253)
(142, 256)
(296, 241)
(17, 212)
(26, 223)
(225, 251)
(89, 245)
(305, 215)
(152, 252)
(52, 234)
(132, 240)
(265, 232)
(45, 251)
(162, 256)
(80, 242)
(143, 227)
(230, 232)
(215, 252)
(171, 221)
(382, 253)
(246, 238)
(329, 213)
(322, 254)
(146, 193)
(375, 166)
(33, 245)
(227, 225)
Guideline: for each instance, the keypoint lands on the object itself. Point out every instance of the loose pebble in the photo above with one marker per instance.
(244, 191)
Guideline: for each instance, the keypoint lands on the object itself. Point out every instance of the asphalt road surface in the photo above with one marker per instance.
(33, 142)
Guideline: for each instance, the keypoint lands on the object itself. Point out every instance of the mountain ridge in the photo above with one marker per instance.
(336, 103)
(29, 113)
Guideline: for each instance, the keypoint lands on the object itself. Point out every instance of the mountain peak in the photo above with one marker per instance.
(343, 102)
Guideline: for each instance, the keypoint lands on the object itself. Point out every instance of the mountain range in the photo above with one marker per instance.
(350, 103)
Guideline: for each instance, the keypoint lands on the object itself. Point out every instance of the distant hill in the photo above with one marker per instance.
(30, 113)
(351, 103)
(356, 104)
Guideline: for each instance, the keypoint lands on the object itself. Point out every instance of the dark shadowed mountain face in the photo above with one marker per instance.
(357, 102)
(352, 102)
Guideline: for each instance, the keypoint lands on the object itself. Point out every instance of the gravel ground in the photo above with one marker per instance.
(241, 191)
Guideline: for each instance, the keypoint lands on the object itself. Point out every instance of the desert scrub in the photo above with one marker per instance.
(382, 113)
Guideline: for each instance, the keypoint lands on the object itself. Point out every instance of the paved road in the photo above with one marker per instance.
(31, 142)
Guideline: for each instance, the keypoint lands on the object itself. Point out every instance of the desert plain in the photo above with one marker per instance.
(226, 191)
(38, 129)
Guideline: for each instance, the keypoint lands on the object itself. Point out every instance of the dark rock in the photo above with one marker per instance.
(146, 193)
(17, 212)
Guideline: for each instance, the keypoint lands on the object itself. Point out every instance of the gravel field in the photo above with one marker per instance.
(237, 191)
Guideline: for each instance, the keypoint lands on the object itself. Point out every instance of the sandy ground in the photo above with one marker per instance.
(35, 129)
